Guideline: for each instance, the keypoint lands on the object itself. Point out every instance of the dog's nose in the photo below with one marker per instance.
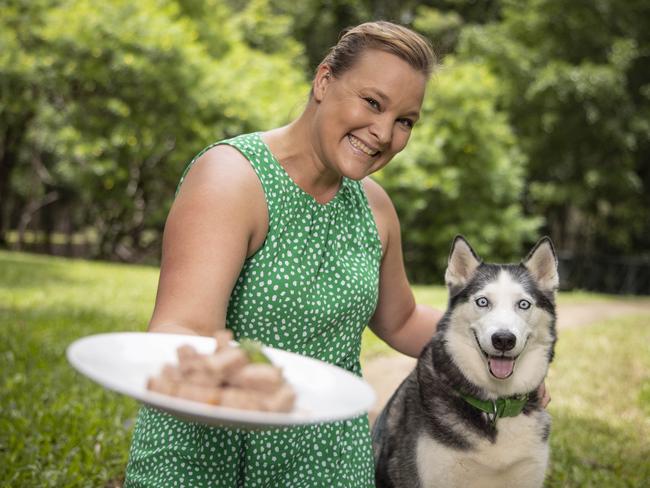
(503, 340)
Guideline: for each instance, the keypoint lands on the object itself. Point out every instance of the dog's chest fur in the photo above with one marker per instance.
(517, 458)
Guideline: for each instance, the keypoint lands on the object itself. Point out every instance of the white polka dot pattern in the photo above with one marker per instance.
(310, 289)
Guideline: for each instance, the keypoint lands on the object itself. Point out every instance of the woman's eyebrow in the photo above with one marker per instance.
(380, 94)
(386, 99)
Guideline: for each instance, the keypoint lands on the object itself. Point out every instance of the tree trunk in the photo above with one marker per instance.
(30, 211)
(12, 139)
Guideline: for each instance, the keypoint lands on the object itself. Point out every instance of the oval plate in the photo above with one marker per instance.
(124, 361)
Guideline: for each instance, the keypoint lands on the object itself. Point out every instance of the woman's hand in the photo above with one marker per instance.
(544, 395)
(172, 329)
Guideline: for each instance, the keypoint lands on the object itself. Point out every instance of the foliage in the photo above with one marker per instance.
(19, 88)
(130, 94)
(101, 105)
(575, 79)
(442, 28)
(462, 172)
(317, 23)
(124, 106)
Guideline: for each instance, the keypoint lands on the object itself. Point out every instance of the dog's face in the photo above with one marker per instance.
(501, 327)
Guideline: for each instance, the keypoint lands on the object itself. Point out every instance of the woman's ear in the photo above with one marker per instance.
(321, 81)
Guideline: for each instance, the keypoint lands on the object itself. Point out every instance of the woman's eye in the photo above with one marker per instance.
(482, 302)
(408, 123)
(523, 304)
(373, 103)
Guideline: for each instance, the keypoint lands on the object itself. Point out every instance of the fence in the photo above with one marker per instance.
(623, 276)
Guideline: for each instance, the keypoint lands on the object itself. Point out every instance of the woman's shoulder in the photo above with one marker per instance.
(382, 210)
(222, 166)
(378, 199)
(222, 177)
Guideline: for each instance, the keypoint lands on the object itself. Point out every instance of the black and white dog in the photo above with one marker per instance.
(469, 415)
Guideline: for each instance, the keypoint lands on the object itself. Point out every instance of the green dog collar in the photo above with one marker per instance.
(501, 407)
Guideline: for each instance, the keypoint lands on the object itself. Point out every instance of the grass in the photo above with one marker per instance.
(600, 384)
(584, 297)
(59, 429)
(56, 428)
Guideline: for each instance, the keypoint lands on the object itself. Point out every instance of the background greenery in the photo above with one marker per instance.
(58, 428)
(538, 122)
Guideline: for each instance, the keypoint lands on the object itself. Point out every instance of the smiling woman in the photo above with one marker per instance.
(365, 115)
(281, 237)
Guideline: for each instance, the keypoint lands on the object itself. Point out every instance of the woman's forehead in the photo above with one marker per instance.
(389, 77)
(380, 62)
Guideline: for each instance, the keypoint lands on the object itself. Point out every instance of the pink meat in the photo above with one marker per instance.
(199, 393)
(260, 377)
(224, 378)
(281, 400)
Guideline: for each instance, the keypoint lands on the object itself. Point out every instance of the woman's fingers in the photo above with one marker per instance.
(543, 395)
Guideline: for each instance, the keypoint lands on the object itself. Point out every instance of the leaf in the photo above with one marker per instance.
(253, 350)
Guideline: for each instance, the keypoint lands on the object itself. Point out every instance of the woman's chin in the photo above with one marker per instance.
(357, 168)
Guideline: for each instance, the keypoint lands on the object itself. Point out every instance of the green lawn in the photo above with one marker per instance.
(59, 429)
(600, 384)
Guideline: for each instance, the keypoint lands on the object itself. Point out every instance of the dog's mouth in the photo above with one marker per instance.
(501, 367)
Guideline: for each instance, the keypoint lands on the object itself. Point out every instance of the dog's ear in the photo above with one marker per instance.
(541, 262)
(462, 263)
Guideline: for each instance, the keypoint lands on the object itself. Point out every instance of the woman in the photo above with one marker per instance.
(282, 237)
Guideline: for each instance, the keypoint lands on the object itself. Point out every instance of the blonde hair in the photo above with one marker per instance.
(384, 36)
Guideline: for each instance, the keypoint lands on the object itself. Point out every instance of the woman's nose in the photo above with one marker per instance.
(382, 129)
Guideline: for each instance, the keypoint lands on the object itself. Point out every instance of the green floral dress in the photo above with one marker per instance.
(311, 289)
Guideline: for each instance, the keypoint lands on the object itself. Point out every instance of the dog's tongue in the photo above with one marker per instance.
(501, 367)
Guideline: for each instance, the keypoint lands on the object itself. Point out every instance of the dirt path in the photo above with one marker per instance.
(385, 373)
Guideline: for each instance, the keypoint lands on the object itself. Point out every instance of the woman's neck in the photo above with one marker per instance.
(295, 146)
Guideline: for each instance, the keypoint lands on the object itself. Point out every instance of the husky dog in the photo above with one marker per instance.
(469, 415)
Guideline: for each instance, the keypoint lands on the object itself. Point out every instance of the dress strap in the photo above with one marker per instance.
(255, 151)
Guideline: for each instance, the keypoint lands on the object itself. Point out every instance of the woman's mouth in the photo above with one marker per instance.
(358, 144)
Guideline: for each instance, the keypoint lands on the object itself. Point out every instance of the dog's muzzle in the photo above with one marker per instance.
(500, 366)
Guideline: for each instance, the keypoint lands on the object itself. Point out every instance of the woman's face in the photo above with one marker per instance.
(365, 116)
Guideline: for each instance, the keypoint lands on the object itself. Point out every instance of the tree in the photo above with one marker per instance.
(577, 92)
(130, 94)
(20, 92)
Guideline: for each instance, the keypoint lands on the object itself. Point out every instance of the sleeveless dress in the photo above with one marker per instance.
(311, 289)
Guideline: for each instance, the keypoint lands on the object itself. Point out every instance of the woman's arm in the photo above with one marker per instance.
(398, 320)
(218, 219)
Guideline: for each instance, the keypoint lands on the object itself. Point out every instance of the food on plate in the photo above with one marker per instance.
(233, 376)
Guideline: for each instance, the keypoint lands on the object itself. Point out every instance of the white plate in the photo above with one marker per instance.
(123, 362)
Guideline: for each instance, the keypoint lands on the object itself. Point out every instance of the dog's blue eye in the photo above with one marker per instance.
(482, 302)
(524, 304)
